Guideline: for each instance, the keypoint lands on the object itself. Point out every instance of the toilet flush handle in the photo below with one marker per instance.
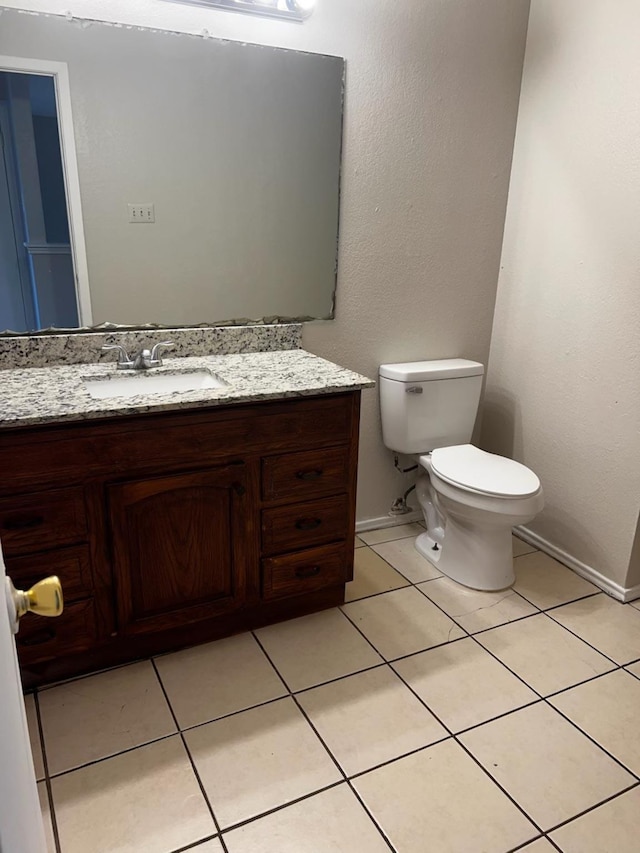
(414, 389)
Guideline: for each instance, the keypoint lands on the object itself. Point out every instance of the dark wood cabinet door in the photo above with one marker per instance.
(179, 547)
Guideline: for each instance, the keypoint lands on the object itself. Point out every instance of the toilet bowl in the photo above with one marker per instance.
(470, 499)
(477, 497)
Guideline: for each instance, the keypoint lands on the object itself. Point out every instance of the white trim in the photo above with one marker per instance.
(60, 74)
(387, 521)
(615, 590)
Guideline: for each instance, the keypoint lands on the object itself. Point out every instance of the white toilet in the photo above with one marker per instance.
(470, 498)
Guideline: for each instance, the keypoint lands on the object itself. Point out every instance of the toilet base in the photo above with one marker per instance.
(477, 558)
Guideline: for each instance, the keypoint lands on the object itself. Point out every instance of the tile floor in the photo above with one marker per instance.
(420, 716)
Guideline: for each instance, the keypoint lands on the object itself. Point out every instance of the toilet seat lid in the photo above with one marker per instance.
(471, 468)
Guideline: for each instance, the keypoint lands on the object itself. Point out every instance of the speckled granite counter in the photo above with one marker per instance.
(46, 350)
(43, 395)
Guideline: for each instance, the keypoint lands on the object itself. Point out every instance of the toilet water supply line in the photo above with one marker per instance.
(399, 506)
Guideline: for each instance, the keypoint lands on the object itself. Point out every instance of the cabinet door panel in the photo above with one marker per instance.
(178, 547)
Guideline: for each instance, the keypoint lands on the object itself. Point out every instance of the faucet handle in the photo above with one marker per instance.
(156, 361)
(124, 360)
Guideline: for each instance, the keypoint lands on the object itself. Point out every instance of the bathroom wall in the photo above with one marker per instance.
(431, 105)
(563, 391)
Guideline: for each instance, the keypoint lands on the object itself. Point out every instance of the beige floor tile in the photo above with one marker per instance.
(552, 770)
(441, 794)
(359, 543)
(389, 534)
(331, 821)
(372, 574)
(144, 800)
(463, 684)
(521, 547)
(94, 717)
(275, 755)
(316, 648)
(611, 828)
(546, 583)
(402, 622)
(610, 626)
(543, 654)
(209, 681)
(475, 610)
(539, 846)
(34, 735)
(635, 603)
(607, 709)
(370, 718)
(45, 811)
(403, 556)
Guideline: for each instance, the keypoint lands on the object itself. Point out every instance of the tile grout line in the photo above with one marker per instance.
(47, 778)
(83, 675)
(525, 844)
(190, 757)
(345, 778)
(473, 758)
(586, 642)
(604, 802)
(275, 809)
(113, 755)
(541, 697)
(195, 844)
(442, 723)
(388, 664)
(553, 708)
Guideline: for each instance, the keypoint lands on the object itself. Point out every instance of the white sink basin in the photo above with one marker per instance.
(140, 384)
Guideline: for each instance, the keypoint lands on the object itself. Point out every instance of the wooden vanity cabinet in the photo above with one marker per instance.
(177, 528)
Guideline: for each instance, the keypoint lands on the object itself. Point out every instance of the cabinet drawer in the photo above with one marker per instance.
(45, 520)
(297, 526)
(304, 571)
(305, 475)
(71, 565)
(41, 638)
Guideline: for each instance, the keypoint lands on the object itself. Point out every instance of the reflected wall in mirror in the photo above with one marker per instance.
(236, 147)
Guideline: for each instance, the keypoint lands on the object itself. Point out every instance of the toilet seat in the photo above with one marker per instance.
(475, 470)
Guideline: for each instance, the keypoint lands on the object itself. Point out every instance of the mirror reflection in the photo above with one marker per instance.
(207, 171)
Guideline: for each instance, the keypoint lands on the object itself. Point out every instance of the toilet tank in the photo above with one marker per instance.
(429, 404)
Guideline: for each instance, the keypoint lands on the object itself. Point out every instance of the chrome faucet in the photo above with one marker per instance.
(142, 360)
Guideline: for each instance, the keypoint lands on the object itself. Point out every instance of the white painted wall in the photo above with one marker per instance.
(431, 104)
(563, 390)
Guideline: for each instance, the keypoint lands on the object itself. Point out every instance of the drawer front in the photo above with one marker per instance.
(71, 565)
(298, 526)
(304, 571)
(41, 638)
(31, 523)
(305, 475)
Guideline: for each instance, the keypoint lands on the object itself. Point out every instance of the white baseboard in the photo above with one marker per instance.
(615, 590)
(388, 521)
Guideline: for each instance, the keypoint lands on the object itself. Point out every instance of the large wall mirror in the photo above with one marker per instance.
(206, 173)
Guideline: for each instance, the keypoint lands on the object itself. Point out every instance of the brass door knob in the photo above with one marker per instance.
(44, 598)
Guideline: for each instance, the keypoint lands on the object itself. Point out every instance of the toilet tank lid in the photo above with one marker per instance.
(424, 371)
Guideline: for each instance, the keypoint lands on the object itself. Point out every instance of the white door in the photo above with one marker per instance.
(21, 828)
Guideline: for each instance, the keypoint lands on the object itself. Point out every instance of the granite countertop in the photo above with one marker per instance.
(40, 395)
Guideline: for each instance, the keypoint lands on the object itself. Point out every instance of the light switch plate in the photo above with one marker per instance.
(141, 213)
